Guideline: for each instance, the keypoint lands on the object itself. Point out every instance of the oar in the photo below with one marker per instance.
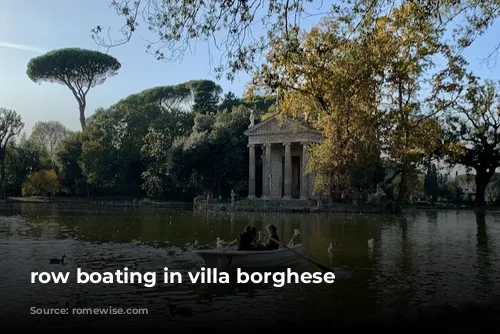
(320, 266)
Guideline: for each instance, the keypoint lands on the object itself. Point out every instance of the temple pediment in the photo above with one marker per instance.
(281, 129)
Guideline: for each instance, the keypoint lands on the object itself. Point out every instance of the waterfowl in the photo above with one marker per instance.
(331, 246)
(370, 241)
(57, 261)
(68, 311)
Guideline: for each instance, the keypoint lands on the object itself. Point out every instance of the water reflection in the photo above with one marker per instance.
(382, 262)
(483, 262)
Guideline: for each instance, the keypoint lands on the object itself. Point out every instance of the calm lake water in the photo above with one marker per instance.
(382, 262)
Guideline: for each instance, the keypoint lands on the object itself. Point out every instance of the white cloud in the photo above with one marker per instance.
(21, 47)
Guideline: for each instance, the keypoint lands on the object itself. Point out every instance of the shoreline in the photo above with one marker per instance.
(280, 206)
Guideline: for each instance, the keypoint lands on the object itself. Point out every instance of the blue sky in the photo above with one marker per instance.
(29, 28)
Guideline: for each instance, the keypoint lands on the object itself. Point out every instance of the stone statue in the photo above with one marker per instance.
(377, 198)
(252, 118)
(232, 197)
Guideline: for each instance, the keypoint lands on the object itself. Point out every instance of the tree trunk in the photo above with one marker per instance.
(401, 193)
(83, 124)
(482, 179)
(82, 116)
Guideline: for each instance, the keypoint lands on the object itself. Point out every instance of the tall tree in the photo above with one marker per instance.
(473, 133)
(49, 134)
(229, 101)
(362, 87)
(206, 95)
(10, 126)
(77, 69)
(409, 127)
(326, 79)
(431, 186)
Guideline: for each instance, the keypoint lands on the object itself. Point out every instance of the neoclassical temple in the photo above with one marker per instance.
(278, 157)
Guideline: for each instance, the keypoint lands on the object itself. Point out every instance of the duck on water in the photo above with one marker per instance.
(58, 261)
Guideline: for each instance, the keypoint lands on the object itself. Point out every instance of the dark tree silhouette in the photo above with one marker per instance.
(10, 126)
(474, 134)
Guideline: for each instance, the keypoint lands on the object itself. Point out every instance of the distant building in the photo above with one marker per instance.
(278, 149)
(467, 183)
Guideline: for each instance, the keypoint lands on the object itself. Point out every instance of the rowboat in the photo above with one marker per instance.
(229, 259)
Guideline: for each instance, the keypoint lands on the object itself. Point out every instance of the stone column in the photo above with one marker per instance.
(288, 171)
(267, 163)
(264, 172)
(251, 171)
(304, 178)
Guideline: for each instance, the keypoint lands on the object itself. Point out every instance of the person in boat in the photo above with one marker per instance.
(255, 237)
(245, 240)
(273, 241)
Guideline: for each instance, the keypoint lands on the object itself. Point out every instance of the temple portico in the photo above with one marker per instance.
(278, 153)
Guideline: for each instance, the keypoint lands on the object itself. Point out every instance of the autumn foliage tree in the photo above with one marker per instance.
(327, 80)
(361, 85)
(41, 183)
(407, 47)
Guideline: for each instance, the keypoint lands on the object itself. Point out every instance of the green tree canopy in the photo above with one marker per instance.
(21, 158)
(206, 95)
(122, 141)
(77, 69)
(68, 162)
(223, 143)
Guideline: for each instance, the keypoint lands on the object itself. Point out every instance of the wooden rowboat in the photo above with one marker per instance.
(229, 259)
